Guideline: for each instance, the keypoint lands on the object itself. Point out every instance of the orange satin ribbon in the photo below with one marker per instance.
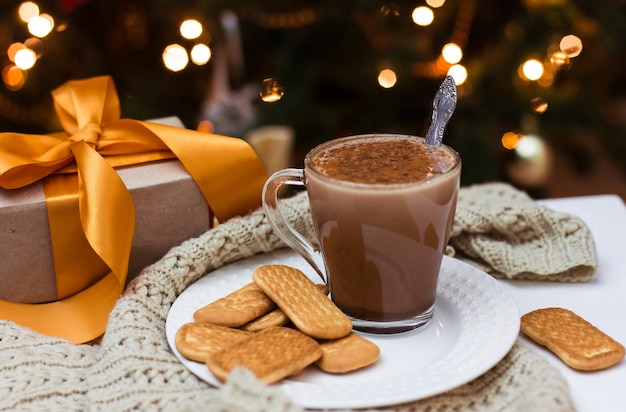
(85, 195)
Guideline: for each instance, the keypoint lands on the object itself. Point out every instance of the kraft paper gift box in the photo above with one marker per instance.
(61, 272)
(170, 209)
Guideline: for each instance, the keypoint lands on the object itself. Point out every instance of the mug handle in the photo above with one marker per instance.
(293, 239)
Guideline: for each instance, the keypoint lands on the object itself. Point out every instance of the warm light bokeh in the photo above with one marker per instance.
(41, 26)
(271, 91)
(27, 11)
(422, 16)
(25, 58)
(435, 3)
(532, 69)
(538, 105)
(175, 57)
(458, 73)
(452, 53)
(387, 78)
(571, 45)
(509, 140)
(200, 54)
(191, 29)
(13, 77)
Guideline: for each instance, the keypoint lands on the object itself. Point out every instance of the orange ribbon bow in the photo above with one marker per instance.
(85, 195)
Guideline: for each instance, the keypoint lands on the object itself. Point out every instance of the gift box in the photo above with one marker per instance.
(83, 211)
(170, 208)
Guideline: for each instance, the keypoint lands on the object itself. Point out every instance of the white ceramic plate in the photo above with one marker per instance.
(474, 326)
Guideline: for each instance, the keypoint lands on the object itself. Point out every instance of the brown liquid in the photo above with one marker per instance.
(382, 239)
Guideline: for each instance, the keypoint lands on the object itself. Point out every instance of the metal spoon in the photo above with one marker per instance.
(443, 107)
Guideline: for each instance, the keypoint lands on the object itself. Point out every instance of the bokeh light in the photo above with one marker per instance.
(509, 140)
(191, 29)
(390, 9)
(452, 53)
(539, 105)
(532, 69)
(35, 45)
(13, 77)
(271, 91)
(529, 146)
(41, 25)
(25, 58)
(458, 73)
(387, 78)
(435, 3)
(422, 16)
(175, 57)
(13, 49)
(571, 45)
(559, 59)
(27, 11)
(200, 54)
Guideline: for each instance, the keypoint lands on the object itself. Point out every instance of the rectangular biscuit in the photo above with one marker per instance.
(347, 354)
(305, 305)
(195, 341)
(237, 308)
(575, 341)
(271, 355)
(274, 318)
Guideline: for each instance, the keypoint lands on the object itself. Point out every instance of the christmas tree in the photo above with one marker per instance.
(329, 69)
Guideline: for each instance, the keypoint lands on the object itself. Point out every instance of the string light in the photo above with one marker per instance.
(422, 16)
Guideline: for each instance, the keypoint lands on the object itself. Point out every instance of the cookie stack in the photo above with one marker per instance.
(275, 326)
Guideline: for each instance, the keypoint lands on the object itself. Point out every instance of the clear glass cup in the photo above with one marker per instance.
(382, 207)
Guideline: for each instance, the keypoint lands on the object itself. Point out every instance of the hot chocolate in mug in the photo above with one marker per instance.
(382, 206)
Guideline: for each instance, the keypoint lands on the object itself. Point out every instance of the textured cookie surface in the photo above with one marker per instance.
(573, 339)
(237, 308)
(347, 354)
(274, 318)
(305, 305)
(195, 341)
(271, 355)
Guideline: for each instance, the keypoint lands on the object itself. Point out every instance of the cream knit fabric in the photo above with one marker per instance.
(132, 367)
(505, 233)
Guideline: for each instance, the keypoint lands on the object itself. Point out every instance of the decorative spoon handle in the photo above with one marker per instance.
(444, 104)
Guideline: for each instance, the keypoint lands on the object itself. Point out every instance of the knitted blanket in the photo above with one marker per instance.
(132, 367)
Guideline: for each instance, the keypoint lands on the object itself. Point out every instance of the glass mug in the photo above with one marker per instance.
(382, 208)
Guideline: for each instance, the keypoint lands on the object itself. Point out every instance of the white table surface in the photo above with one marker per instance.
(601, 301)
